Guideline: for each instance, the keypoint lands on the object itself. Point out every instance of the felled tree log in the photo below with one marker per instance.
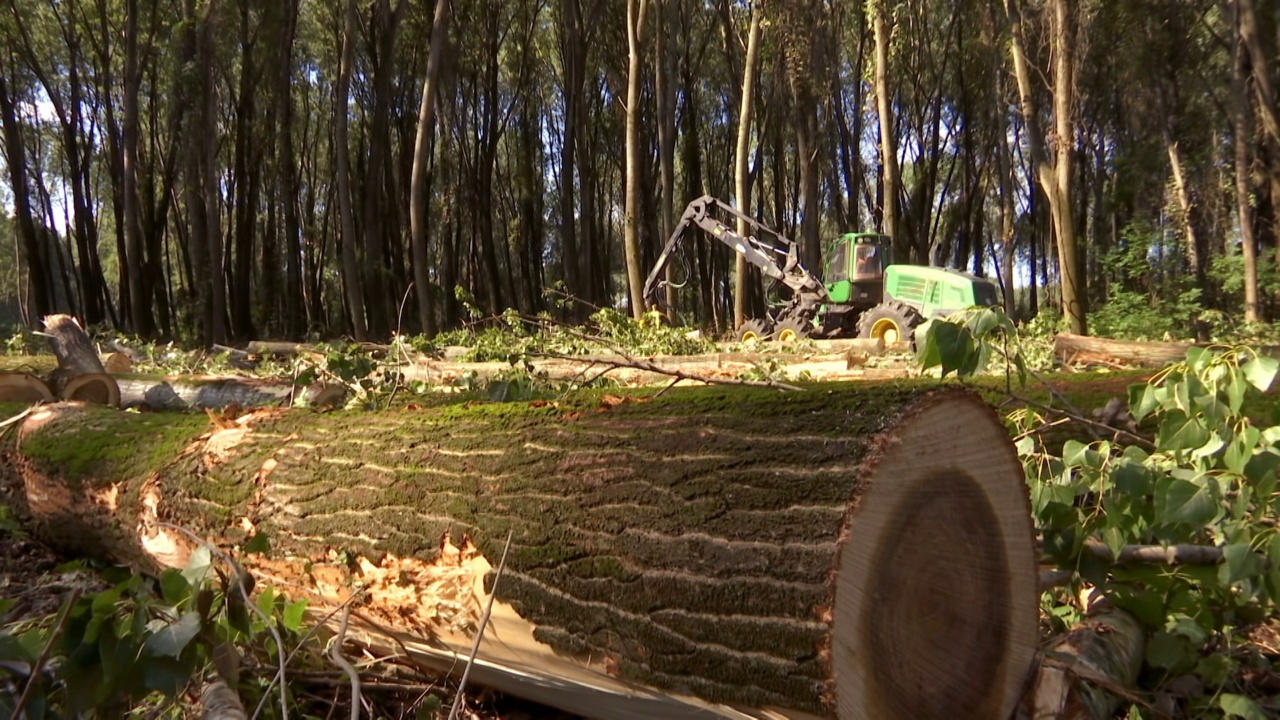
(1082, 349)
(190, 392)
(1086, 673)
(23, 388)
(853, 553)
(80, 374)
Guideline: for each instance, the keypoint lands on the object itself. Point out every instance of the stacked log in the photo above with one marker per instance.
(713, 552)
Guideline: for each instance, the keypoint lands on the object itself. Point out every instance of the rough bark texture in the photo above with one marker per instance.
(850, 553)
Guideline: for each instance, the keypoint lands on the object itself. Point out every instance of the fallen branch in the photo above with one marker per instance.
(335, 654)
(484, 623)
(43, 659)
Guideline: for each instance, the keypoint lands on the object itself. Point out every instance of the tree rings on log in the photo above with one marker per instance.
(23, 388)
(97, 388)
(859, 552)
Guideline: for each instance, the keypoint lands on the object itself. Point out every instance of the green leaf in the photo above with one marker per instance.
(1182, 501)
(174, 588)
(1261, 468)
(1179, 432)
(1241, 449)
(1170, 652)
(173, 638)
(267, 601)
(293, 614)
(1239, 562)
(1261, 372)
(1142, 401)
(1240, 706)
(199, 566)
(259, 543)
(1236, 389)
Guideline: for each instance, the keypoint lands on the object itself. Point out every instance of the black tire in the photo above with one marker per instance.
(789, 331)
(890, 321)
(757, 330)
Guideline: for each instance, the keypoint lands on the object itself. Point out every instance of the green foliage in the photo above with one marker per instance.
(143, 641)
(512, 337)
(1150, 294)
(1196, 468)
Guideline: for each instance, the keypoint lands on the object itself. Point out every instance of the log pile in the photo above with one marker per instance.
(83, 375)
(711, 553)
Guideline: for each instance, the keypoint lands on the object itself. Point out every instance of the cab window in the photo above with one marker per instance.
(868, 261)
(838, 265)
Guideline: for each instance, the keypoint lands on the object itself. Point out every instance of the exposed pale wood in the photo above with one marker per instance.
(116, 363)
(713, 548)
(1079, 348)
(98, 388)
(197, 392)
(75, 352)
(23, 388)
(1084, 674)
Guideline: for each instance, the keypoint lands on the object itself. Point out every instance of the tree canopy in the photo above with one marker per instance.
(213, 170)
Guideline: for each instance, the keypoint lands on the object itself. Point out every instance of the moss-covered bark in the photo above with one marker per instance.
(689, 539)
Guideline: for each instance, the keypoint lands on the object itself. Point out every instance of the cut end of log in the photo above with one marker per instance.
(23, 388)
(935, 607)
(96, 388)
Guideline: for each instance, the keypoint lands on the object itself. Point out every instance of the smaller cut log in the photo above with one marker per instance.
(195, 393)
(23, 388)
(1081, 349)
(117, 362)
(99, 388)
(75, 352)
(1084, 674)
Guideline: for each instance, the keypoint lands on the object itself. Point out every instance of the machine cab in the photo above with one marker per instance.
(855, 267)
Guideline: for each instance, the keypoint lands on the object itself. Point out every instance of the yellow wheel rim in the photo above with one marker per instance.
(750, 335)
(886, 330)
(787, 336)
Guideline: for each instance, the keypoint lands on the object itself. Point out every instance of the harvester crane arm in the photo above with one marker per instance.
(778, 259)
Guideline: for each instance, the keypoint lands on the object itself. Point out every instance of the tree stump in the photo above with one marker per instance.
(854, 553)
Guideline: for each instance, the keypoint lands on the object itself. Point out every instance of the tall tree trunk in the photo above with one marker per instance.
(1241, 141)
(665, 92)
(418, 185)
(40, 302)
(351, 277)
(139, 304)
(636, 13)
(741, 165)
(294, 299)
(212, 184)
(1054, 174)
(891, 179)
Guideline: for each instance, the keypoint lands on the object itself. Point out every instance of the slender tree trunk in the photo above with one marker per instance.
(890, 175)
(40, 303)
(1248, 241)
(665, 92)
(1054, 174)
(421, 159)
(636, 12)
(351, 277)
(741, 166)
(139, 304)
(294, 299)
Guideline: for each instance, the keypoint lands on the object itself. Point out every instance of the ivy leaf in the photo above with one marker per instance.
(1185, 502)
(1240, 706)
(1260, 372)
(173, 638)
